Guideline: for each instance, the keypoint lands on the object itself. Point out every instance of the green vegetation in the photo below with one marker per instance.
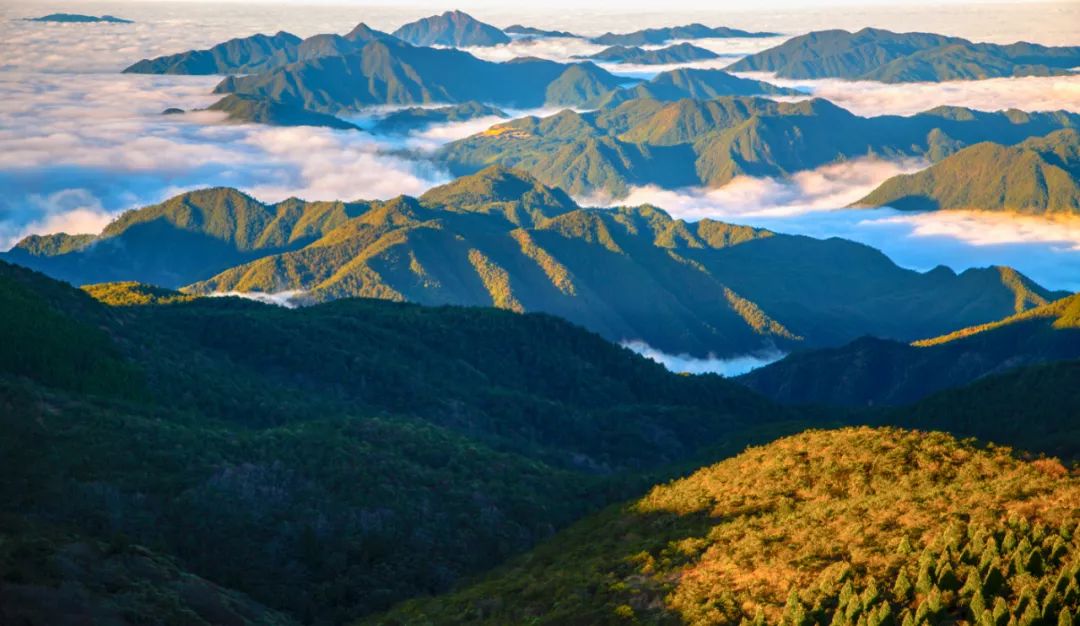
(856, 526)
(332, 460)
(679, 53)
(49, 576)
(186, 238)
(452, 28)
(697, 84)
(502, 237)
(246, 109)
(881, 55)
(388, 71)
(1029, 407)
(644, 141)
(131, 293)
(236, 55)
(1036, 177)
(871, 371)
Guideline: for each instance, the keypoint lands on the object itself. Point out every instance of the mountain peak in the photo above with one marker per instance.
(452, 28)
(497, 184)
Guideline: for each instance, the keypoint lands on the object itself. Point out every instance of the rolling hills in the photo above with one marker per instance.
(500, 238)
(854, 526)
(872, 371)
(1039, 176)
(710, 142)
(885, 56)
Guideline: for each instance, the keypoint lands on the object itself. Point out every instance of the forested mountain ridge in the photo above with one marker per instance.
(871, 371)
(1039, 176)
(184, 239)
(388, 71)
(882, 55)
(710, 142)
(331, 460)
(502, 238)
(855, 526)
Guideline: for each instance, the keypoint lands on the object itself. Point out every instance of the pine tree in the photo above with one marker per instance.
(902, 587)
(1064, 618)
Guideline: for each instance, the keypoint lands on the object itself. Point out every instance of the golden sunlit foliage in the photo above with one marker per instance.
(856, 526)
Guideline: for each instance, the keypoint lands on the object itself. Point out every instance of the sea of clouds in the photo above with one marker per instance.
(80, 142)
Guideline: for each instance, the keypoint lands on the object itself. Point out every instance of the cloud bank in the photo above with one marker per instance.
(686, 364)
(866, 98)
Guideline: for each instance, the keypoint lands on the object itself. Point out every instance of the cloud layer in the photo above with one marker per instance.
(686, 364)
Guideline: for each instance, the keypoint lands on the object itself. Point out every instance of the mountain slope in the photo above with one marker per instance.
(851, 526)
(708, 143)
(184, 239)
(877, 372)
(1039, 176)
(235, 55)
(326, 461)
(1028, 406)
(882, 55)
(452, 28)
(385, 72)
(532, 31)
(245, 109)
(501, 238)
(656, 36)
(696, 84)
(679, 53)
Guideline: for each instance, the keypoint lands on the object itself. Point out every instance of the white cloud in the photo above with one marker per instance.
(286, 299)
(1030, 93)
(827, 187)
(686, 364)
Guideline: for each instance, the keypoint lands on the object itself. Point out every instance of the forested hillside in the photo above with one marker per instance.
(856, 526)
(331, 460)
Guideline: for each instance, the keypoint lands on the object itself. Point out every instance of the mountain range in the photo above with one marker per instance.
(657, 36)
(882, 55)
(392, 72)
(1039, 176)
(708, 143)
(871, 371)
(531, 31)
(500, 238)
(452, 28)
(323, 463)
(679, 53)
(77, 18)
(257, 53)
